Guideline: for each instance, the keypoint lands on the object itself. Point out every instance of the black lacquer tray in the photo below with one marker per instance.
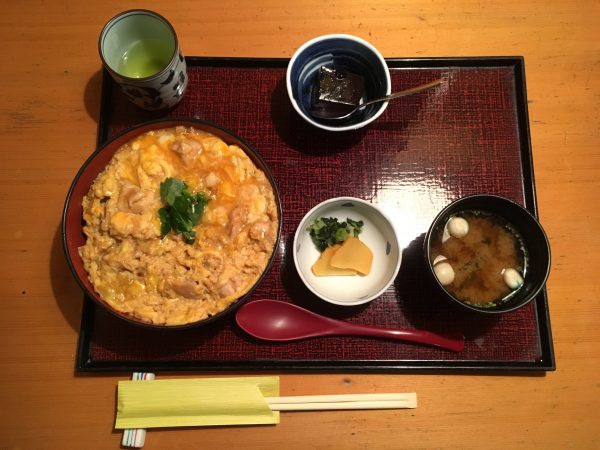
(425, 151)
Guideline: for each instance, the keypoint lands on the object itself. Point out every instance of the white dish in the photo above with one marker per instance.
(378, 233)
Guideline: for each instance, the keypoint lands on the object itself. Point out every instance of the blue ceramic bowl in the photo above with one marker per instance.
(344, 52)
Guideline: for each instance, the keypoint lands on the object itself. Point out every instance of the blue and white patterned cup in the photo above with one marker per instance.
(140, 50)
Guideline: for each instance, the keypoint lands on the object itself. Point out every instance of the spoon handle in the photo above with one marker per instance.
(454, 343)
(403, 93)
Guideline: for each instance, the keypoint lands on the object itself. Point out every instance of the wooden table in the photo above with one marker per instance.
(48, 116)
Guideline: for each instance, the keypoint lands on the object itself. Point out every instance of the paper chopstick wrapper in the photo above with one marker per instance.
(136, 437)
(196, 402)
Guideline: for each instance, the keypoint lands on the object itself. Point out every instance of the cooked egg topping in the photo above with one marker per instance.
(166, 280)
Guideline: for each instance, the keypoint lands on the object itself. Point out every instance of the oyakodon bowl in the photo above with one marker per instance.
(343, 52)
(537, 267)
(72, 220)
(378, 233)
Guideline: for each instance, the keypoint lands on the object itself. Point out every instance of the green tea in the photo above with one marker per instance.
(145, 58)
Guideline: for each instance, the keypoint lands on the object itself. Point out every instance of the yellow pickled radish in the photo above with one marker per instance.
(322, 267)
(353, 254)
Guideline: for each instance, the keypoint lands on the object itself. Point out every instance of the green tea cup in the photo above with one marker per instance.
(140, 50)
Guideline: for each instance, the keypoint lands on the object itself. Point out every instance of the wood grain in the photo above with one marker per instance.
(48, 116)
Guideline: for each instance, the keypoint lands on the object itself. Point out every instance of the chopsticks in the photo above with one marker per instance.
(343, 401)
(225, 401)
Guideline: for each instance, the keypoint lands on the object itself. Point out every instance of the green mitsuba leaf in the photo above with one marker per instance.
(165, 221)
(183, 209)
(171, 189)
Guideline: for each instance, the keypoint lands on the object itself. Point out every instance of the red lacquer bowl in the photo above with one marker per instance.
(72, 220)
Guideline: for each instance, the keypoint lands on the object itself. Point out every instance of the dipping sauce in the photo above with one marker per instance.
(480, 259)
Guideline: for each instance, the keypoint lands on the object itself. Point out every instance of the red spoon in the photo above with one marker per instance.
(274, 320)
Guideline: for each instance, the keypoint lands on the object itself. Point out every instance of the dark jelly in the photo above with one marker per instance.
(337, 92)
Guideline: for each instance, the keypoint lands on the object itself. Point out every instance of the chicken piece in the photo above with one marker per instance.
(135, 200)
(259, 230)
(185, 287)
(231, 286)
(188, 149)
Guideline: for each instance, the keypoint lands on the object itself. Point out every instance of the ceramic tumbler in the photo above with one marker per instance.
(140, 50)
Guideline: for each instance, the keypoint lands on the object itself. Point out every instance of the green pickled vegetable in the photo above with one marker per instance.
(328, 231)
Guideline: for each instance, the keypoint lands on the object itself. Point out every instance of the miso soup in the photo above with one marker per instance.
(480, 259)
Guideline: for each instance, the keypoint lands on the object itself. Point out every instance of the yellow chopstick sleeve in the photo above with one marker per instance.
(196, 402)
